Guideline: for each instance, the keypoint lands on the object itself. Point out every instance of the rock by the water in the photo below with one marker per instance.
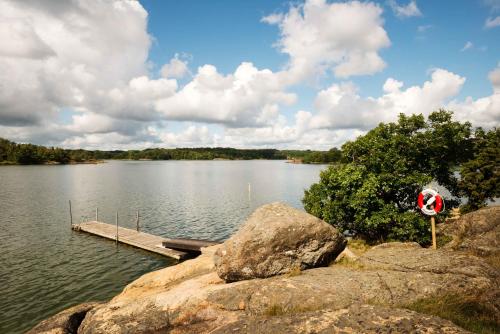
(277, 239)
(391, 275)
(477, 231)
(65, 322)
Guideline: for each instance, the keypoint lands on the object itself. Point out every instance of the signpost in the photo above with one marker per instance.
(430, 203)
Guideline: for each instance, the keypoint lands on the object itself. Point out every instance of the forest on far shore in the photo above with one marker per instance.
(29, 154)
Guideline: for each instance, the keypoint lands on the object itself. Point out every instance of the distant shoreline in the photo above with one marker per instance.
(29, 154)
(96, 162)
(53, 163)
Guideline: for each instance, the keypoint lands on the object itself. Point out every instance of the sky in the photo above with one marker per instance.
(307, 74)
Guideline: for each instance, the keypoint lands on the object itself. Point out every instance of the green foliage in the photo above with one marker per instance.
(354, 199)
(374, 194)
(315, 157)
(29, 154)
(333, 155)
(481, 175)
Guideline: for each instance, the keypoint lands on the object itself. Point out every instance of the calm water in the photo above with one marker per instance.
(45, 267)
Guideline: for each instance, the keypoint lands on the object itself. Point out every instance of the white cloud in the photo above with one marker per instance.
(176, 68)
(402, 11)
(136, 100)
(341, 107)
(492, 22)
(19, 39)
(424, 28)
(192, 136)
(67, 55)
(273, 18)
(467, 46)
(484, 111)
(343, 37)
(248, 97)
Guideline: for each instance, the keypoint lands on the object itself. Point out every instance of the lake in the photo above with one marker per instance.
(45, 267)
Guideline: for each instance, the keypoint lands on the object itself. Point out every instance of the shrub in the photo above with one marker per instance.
(374, 194)
(481, 175)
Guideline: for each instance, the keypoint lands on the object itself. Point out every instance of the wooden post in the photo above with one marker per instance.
(433, 227)
(137, 221)
(96, 214)
(116, 227)
(70, 214)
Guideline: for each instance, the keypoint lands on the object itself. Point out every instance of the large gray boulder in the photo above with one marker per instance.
(277, 239)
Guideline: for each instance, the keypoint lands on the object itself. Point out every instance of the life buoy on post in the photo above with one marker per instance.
(430, 203)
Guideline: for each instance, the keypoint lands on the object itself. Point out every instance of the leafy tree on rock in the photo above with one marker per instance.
(374, 194)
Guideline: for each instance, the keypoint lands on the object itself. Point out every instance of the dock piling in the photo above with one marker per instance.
(96, 214)
(117, 228)
(70, 214)
(137, 221)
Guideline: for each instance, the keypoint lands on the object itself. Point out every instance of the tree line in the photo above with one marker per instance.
(13, 153)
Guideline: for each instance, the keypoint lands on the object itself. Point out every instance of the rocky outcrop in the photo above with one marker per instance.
(477, 231)
(277, 239)
(65, 322)
(393, 275)
(364, 293)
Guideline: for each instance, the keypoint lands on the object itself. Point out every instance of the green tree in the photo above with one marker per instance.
(6, 150)
(29, 154)
(481, 175)
(354, 199)
(374, 194)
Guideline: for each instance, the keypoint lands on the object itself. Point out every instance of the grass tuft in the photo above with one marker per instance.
(442, 240)
(358, 246)
(278, 309)
(467, 312)
(274, 310)
(346, 262)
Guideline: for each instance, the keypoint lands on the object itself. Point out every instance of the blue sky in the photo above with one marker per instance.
(301, 74)
(225, 33)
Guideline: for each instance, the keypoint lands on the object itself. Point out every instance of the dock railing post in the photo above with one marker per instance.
(96, 214)
(137, 221)
(117, 228)
(70, 214)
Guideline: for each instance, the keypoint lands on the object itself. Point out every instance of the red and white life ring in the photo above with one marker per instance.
(433, 204)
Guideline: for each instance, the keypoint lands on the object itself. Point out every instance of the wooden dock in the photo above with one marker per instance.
(149, 242)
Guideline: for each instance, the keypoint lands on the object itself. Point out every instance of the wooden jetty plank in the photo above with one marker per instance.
(187, 244)
(130, 237)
